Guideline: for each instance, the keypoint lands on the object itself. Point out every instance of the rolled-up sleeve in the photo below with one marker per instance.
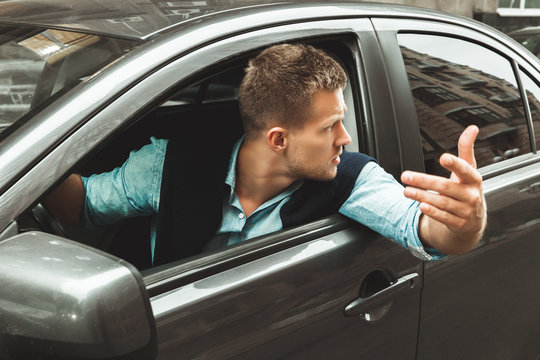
(377, 201)
(130, 190)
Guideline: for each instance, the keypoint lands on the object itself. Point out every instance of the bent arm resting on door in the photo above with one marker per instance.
(66, 201)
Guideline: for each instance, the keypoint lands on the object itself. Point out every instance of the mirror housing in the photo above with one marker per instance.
(61, 299)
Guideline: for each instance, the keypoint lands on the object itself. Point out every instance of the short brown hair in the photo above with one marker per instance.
(279, 84)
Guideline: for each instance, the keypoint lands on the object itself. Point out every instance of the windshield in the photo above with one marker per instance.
(37, 65)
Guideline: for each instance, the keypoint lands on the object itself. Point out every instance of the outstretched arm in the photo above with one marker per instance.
(453, 210)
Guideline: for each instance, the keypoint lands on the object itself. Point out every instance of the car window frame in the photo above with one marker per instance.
(389, 28)
(510, 66)
(534, 75)
(184, 271)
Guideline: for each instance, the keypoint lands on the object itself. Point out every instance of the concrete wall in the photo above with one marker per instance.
(461, 7)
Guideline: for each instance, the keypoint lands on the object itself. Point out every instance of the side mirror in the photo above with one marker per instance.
(61, 299)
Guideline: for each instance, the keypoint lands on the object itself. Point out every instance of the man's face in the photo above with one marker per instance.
(314, 149)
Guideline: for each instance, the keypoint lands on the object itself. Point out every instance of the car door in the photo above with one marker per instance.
(286, 295)
(481, 305)
(327, 289)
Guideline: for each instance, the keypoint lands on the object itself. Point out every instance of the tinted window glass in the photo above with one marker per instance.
(533, 96)
(456, 83)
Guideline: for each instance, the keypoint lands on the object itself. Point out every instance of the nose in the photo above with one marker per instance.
(343, 138)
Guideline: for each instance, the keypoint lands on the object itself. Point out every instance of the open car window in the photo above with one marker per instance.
(207, 103)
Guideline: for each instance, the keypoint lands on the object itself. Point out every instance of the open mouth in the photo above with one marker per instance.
(336, 160)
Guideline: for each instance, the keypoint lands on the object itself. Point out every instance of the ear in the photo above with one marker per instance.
(277, 140)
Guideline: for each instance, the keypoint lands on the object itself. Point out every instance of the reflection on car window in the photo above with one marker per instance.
(35, 64)
(456, 83)
(533, 98)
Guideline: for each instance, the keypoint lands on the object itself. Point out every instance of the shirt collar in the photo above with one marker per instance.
(231, 173)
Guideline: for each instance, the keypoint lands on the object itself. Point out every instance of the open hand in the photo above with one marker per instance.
(457, 203)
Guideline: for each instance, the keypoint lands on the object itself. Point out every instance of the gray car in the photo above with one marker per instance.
(101, 77)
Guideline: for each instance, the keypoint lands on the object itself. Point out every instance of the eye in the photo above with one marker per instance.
(329, 128)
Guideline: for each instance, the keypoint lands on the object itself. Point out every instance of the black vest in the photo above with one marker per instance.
(193, 190)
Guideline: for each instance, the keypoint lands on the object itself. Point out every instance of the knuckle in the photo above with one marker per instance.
(475, 198)
(445, 186)
(477, 178)
(443, 202)
(419, 182)
(460, 224)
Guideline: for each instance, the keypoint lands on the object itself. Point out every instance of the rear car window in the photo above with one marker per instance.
(38, 64)
(456, 83)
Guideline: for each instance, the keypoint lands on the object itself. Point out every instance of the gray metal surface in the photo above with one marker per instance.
(289, 305)
(70, 300)
(461, 294)
(489, 291)
(283, 295)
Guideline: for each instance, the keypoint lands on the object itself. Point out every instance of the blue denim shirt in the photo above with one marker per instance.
(133, 189)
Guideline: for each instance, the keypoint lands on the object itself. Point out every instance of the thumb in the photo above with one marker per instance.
(466, 144)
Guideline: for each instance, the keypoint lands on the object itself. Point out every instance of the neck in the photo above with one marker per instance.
(260, 175)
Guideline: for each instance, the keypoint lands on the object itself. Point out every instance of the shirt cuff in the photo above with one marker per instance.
(417, 248)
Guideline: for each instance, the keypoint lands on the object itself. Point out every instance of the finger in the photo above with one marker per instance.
(453, 222)
(435, 183)
(460, 169)
(466, 144)
(455, 207)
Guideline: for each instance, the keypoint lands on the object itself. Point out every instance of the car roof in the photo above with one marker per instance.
(142, 19)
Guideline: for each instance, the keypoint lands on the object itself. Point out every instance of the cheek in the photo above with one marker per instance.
(323, 144)
(314, 148)
(316, 154)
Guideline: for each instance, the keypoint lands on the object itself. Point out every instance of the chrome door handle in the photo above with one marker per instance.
(401, 285)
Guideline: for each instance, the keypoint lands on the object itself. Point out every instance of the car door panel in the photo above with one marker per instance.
(259, 308)
(490, 307)
(290, 304)
(480, 305)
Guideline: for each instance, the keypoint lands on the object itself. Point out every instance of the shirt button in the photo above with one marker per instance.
(241, 215)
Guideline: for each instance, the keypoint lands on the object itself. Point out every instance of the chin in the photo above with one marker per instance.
(325, 176)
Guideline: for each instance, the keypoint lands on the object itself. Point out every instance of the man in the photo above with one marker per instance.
(288, 169)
